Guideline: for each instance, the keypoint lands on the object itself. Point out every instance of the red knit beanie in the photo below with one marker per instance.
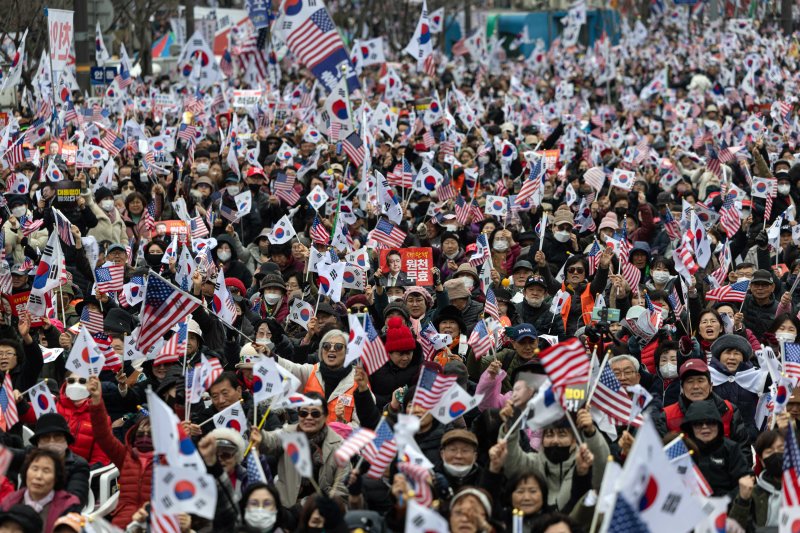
(398, 336)
(235, 282)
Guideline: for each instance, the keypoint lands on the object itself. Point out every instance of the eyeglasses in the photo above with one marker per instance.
(575, 270)
(335, 346)
(704, 423)
(624, 373)
(72, 381)
(255, 504)
(225, 455)
(7, 355)
(305, 413)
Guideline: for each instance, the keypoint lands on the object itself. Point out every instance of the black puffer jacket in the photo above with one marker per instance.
(757, 318)
(541, 318)
(721, 460)
(390, 377)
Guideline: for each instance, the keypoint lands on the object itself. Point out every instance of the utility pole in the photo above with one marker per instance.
(189, 12)
(82, 65)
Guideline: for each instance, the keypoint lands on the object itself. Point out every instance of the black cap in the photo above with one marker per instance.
(664, 198)
(24, 516)
(119, 321)
(535, 280)
(522, 263)
(763, 276)
(50, 423)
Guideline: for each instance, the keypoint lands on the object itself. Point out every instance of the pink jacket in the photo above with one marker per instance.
(63, 503)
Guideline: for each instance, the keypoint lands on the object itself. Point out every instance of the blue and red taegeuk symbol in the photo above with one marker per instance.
(185, 490)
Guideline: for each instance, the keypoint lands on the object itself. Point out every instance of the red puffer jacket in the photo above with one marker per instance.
(81, 427)
(135, 468)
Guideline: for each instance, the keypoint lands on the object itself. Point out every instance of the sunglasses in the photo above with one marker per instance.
(575, 270)
(72, 381)
(335, 346)
(305, 413)
(359, 309)
(225, 455)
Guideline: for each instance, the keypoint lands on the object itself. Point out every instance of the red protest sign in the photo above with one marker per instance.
(416, 263)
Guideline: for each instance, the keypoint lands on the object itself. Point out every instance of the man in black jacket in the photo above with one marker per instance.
(761, 304)
(52, 433)
(535, 309)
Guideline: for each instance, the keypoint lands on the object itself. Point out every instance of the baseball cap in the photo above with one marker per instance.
(762, 276)
(694, 367)
(523, 331)
(459, 435)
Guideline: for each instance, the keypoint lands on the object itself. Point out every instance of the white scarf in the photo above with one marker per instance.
(774, 501)
(752, 380)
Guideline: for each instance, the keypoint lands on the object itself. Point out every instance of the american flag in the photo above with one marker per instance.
(164, 306)
(315, 39)
(792, 360)
(354, 148)
(112, 142)
(566, 363)
(8, 406)
(402, 175)
(319, 235)
(164, 523)
(419, 476)
(427, 138)
(388, 234)
(93, 320)
(429, 65)
(334, 130)
(198, 228)
(226, 64)
(630, 273)
(595, 177)
(735, 292)
(671, 226)
(150, 216)
(374, 355)
(713, 163)
(448, 148)
(211, 368)
(63, 227)
(175, 347)
(446, 190)
(463, 211)
(490, 306)
(187, 132)
(786, 113)
(353, 445)
(611, 398)
(790, 489)
(675, 301)
(431, 386)
(112, 360)
(534, 181)
(676, 449)
(110, 278)
(729, 216)
(29, 226)
(284, 189)
(380, 451)
(594, 257)
(684, 253)
(625, 519)
(480, 340)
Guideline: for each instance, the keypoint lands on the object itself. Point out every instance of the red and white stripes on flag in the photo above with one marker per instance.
(63, 227)
(729, 216)
(163, 522)
(612, 399)
(480, 340)
(375, 355)
(164, 306)
(388, 234)
(315, 39)
(318, 233)
(8, 405)
(110, 278)
(790, 489)
(431, 385)
(353, 445)
(354, 148)
(566, 363)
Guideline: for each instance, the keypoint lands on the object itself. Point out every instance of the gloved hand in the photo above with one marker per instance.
(686, 345)
(761, 239)
(355, 488)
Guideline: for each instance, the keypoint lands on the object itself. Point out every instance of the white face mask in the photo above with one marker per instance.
(785, 336)
(260, 519)
(453, 255)
(19, 211)
(457, 470)
(562, 236)
(58, 447)
(669, 370)
(223, 255)
(661, 277)
(784, 189)
(76, 392)
(202, 168)
(500, 245)
(450, 227)
(107, 204)
(468, 283)
(233, 190)
(272, 298)
(534, 302)
(393, 298)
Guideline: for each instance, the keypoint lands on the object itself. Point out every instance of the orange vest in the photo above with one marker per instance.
(587, 304)
(313, 385)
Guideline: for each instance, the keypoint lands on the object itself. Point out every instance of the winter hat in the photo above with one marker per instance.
(24, 516)
(357, 299)
(101, 193)
(456, 289)
(609, 221)
(398, 307)
(50, 423)
(398, 336)
(230, 439)
(247, 356)
(234, 282)
(420, 291)
(737, 342)
(563, 216)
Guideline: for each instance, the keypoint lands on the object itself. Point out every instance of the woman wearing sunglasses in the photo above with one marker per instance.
(329, 377)
(323, 441)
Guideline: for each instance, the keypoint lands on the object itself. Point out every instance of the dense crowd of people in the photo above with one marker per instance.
(638, 196)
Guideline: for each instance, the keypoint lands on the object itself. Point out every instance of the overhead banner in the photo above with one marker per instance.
(61, 31)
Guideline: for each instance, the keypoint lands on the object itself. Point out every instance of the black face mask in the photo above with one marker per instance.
(154, 260)
(774, 465)
(557, 454)
(620, 211)
(254, 188)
